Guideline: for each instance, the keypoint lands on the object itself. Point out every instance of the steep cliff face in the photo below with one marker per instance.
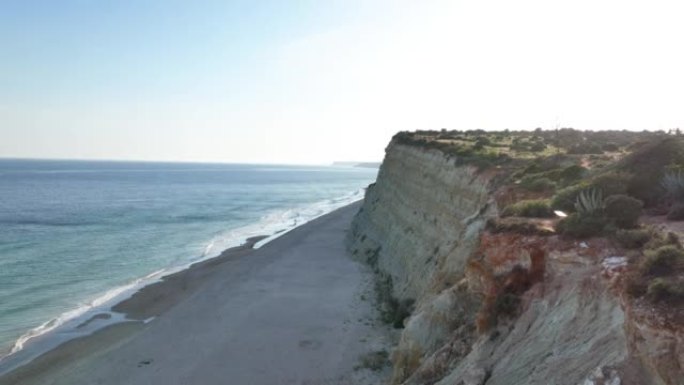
(421, 220)
(418, 226)
(498, 308)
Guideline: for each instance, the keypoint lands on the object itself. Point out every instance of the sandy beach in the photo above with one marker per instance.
(298, 310)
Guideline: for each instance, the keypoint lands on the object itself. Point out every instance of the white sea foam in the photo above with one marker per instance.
(272, 225)
(277, 223)
(79, 312)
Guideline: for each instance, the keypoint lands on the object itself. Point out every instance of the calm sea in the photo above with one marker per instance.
(76, 236)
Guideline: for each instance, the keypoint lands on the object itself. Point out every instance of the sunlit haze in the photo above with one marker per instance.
(319, 81)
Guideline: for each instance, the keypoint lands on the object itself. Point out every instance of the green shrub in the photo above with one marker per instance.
(646, 188)
(612, 147)
(676, 212)
(547, 164)
(537, 147)
(623, 210)
(633, 239)
(481, 142)
(661, 290)
(612, 183)
(581, 226)
(532, 208)
(585, 148)
(537, 184)
(636, 145)
(662, 260)
(647, 164)
(553, 174)
(673, 239)
(517, 226)
(566, 198)
(660, 239)
(572, 173)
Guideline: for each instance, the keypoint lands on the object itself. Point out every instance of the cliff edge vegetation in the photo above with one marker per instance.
(529, 257)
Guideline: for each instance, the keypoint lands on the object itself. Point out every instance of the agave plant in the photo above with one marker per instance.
(673, 183)
(589, 202)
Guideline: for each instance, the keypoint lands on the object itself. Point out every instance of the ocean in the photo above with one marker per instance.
(78, 236)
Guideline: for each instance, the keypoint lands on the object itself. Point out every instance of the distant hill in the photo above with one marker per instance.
(357, 164)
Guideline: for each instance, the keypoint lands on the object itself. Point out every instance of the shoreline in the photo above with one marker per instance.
(156, 298)
(161, 300)
(140, 303)
(146, 302)
(113, 310)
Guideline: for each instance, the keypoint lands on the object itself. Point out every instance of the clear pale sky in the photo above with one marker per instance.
(316, 81)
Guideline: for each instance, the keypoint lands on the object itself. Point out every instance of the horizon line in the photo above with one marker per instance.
(256, 163)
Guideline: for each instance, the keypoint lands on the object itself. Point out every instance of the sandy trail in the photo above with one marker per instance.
(291, 312)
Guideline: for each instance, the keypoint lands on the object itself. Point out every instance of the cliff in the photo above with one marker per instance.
(483, 306)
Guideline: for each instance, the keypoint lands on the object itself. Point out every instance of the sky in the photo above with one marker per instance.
(311, 82)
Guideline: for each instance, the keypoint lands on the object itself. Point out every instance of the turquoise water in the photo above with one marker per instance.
(75, 234)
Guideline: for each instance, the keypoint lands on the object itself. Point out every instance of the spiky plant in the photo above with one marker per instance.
(673, 183)
(589, 202)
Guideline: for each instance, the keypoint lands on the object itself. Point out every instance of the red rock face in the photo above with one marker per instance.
(505, 264)
(542, 303)
(513, 263)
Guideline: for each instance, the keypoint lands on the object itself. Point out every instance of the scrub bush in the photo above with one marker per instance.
(623, 210)
(532, 208)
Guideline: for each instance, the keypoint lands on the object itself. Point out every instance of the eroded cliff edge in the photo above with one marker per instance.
(490, 307)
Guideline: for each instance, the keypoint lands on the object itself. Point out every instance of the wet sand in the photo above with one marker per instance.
(296, 311)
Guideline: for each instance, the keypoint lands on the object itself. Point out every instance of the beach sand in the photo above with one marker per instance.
(298, 310)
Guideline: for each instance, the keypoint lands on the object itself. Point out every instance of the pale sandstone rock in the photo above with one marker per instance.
(420, 222)
(425, 214)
